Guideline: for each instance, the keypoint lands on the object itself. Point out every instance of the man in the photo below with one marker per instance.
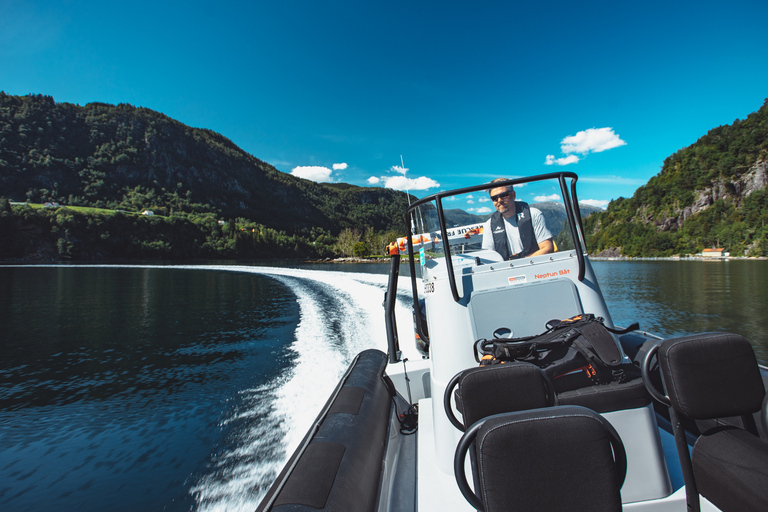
(516, 230)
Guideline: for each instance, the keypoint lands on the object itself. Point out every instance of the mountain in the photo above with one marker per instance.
(127, 159)
(709, 194)
(555, 216)
(133, 158)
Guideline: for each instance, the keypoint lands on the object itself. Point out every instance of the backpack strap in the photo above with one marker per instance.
(601, 342)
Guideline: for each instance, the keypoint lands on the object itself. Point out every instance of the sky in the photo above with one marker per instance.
(428, 96)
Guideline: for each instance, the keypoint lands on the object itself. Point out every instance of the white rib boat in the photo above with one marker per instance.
(393, 438)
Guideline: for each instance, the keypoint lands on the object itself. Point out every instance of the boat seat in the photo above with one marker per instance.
(555, 458)
(487, 390)
(707, 376)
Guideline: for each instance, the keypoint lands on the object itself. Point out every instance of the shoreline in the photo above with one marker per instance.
(676, 258)
(354, 260)
(591, 258)
(350, 259)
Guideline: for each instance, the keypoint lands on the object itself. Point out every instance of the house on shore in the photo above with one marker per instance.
(715, 253)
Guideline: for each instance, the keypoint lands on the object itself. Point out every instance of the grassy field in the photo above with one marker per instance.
(80, 209)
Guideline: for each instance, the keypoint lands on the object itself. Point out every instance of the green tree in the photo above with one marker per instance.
(360, 249)
(346, 242)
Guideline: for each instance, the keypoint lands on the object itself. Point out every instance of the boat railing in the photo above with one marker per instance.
(416, 216)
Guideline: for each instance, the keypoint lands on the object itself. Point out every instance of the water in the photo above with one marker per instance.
(186, 388)
(674, 298)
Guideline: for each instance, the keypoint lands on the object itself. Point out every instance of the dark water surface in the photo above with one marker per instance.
(113, 382)
(674, 298)
(155, 388)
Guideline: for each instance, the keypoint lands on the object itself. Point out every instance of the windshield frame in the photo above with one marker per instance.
(571, 209)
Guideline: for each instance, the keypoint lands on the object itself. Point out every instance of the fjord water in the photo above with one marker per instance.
(675, 298)
(168, 388)
(186, 388)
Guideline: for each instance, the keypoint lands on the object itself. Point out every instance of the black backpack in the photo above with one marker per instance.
(573, 353)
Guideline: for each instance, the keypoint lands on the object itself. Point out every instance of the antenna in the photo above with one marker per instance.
(407, 194)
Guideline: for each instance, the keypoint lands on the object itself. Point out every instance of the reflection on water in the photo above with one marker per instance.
(113, 382)
(673, 298)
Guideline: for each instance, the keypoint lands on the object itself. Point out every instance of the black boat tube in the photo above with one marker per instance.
(339, 463)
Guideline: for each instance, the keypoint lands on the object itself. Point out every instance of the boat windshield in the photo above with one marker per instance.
(467, 212)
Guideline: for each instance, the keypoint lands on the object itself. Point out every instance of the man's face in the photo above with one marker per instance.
(504, 200)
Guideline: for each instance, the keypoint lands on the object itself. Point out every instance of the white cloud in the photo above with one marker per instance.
(484, 199)
(551, 197)
(480, 211)
(339, 167)
(615, 180)
(600, 203)
(313, 173)
(593, 140)
(403, 183)
(570, 159)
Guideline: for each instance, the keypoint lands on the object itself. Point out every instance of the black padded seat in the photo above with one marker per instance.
(556, 458)
(707, 376)
(731, 469)
(610, 397)
(487, 390)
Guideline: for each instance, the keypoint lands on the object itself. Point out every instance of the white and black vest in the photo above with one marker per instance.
(525, 228)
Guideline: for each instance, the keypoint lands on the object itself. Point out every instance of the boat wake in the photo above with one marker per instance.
(341, 314)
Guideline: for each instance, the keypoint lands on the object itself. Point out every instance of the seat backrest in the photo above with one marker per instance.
(488, 390)
(546, 459)
(711, 375)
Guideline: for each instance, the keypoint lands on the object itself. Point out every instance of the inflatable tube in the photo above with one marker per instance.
(338, 464)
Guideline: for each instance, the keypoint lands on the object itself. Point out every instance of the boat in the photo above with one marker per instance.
(405, 435)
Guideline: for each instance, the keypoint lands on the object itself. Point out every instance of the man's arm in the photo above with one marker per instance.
(487, 236)
(541, 233)
(545, 247)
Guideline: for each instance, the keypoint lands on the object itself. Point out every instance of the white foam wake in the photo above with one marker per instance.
(341, 314)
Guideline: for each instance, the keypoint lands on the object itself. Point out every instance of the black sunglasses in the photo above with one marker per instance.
(499, 196)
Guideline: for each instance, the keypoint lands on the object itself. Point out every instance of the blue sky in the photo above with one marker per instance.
(464, 91)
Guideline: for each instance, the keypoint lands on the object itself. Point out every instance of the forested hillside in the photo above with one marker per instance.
(126, 159)
(103, 165)
(710, 194)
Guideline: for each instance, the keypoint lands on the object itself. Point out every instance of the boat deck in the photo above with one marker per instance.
(437, 491)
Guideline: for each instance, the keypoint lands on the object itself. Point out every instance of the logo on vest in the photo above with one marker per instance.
(499, 229)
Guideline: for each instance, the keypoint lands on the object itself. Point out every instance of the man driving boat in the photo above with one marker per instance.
(516, 230)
